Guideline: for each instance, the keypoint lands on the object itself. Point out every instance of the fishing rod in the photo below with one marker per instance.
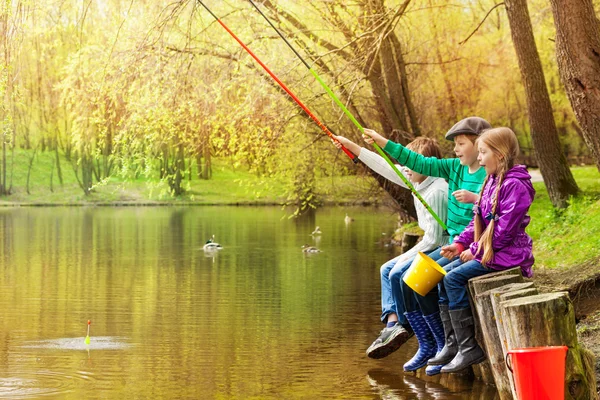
(349, 114)
(288, 91)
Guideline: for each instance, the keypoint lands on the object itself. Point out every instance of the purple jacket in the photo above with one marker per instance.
(512, 246)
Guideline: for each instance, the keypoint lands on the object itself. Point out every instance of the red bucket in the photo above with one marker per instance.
(539, 372)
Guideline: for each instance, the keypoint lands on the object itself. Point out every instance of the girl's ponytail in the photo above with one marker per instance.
(478, 225)
(485, 241)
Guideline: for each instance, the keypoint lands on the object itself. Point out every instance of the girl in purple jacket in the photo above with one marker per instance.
(494, 240)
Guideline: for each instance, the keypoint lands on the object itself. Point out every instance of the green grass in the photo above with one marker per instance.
(227, 186)
(572, 236)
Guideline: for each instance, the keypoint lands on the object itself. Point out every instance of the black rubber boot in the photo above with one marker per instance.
(469, 352)
(450, 348)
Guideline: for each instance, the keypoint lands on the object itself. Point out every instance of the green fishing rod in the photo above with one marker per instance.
(288, 91)
(349, 114)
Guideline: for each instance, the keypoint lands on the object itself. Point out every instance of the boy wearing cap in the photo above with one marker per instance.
(465, 177)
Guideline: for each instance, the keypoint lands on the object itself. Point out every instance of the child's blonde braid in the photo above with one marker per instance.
(488, 234)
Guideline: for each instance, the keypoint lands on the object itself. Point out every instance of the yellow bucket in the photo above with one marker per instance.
(423, 274)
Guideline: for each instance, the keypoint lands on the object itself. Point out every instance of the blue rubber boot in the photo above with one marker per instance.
(434, 321)
(432, 370)
(427, 344)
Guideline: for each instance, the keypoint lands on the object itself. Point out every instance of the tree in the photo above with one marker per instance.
(553, 164)
(11, 29)
(578, 56)
(375, 55)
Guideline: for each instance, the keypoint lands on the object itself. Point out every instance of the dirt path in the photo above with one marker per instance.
(536, 176)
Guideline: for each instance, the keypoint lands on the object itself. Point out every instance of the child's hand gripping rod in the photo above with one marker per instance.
(358, 125)
(306, 110)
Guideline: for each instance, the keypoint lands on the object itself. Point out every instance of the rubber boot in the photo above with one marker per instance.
(424, 337)
(437, 328)
(469, 352)
(450, 348)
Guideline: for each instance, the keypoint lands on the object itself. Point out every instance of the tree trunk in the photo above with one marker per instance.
(578, 56)
(388, 117)
(401, 196)
(553, 164)
(401, 71)
(58, 169)
(393, 84)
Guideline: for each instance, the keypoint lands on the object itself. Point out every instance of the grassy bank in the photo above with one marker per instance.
(572, 236)
(227, 186)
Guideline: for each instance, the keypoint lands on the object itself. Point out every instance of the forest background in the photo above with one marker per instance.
(117, 101)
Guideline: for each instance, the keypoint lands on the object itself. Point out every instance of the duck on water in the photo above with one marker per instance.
(310, 249)
(211, 245)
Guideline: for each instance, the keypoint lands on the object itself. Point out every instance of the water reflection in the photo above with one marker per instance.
(396, 386)
(257, 319)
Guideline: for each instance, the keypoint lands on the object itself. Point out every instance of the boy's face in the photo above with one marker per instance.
(413, 176)
(465, 150)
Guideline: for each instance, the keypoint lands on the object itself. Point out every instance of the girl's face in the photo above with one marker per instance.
(487, 158)
(465, 150)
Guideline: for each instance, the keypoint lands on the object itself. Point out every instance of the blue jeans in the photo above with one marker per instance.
(453, 288)
(412, 300)
(392, 287)
(392, 302)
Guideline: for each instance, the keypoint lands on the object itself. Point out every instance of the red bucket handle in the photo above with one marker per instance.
(506, 358)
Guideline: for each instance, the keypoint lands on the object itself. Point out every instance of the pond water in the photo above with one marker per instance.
(258, 319)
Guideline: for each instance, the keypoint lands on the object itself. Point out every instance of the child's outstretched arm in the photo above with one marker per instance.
(372, 160)
(347, 143)
(430, 166)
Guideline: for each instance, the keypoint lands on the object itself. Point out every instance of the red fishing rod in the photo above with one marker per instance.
(288, 91)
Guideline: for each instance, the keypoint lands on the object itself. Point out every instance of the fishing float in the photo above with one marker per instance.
(87, 337)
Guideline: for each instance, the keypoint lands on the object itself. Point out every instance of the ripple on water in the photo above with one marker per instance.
(96, 343)
(35, 384)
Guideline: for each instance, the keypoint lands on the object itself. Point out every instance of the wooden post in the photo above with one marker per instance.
(490, 322)
(409, 240)
(484, 312)
(549, 320)
(497, 298)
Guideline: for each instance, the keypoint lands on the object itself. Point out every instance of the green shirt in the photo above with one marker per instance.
(457, 175)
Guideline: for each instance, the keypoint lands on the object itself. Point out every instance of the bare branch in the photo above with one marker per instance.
(481, 23)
